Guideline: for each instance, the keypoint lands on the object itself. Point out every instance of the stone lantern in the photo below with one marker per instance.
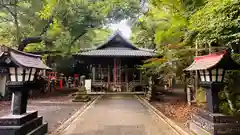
(211, 71)
(81, 95)
(21, 68)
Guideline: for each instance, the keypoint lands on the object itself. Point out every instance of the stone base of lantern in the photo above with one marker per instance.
(81, 95)
(207, 123)
(26, 124)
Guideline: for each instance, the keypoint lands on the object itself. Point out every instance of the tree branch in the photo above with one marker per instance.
(76, 38)
(30, 40)
(8, 9)
(47, 26)
(5, 19)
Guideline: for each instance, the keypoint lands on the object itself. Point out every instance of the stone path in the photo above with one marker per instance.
(118, 115)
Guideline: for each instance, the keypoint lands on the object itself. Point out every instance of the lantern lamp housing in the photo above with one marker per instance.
(212, 75)
(20, 74)
(21, 66)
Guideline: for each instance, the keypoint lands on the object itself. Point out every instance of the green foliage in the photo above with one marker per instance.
(200, 97)
(224, 108)
(178, 29)
(81, 20)
(184, 24)
(60, 24)
(35, 47)
(217, 23)
(18, 20)
(64, 64)
(165, 27)
(230, 95)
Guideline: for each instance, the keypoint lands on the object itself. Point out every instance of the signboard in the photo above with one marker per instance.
(88, 85)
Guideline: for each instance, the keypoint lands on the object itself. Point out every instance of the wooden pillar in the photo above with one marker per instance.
(140, 77)
(101, 77)
(119, 71)
(115, 71)
(101, 73)
(126, 78)
(109, 76)
(93, 73)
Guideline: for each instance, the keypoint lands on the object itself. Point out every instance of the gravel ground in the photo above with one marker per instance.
(174, 106)
(55, 110)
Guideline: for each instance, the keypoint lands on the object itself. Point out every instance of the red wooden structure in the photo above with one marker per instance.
(51, 76)
(76, 78)
(61, 80)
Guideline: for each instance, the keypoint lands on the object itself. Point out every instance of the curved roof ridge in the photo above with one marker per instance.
(146, 49)
(117, 32)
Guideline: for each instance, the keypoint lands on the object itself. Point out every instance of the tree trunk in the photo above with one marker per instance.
(196, 74)
(16, 23)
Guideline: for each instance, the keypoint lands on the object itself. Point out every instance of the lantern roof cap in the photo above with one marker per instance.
(220, 59)
(22, 59)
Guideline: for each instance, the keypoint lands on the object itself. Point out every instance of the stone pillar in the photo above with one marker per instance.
(149, 93)
(212, 91)
(21, 122)
(19, 102)
(81, 94)
(82, 80)
(189, 95)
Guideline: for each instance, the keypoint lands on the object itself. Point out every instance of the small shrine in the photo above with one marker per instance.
(113, 65)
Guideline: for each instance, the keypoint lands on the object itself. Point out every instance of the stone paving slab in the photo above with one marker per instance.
(118, 115)
(55, 113)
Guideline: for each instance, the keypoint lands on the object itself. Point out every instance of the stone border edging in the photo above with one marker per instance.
(68, 122)
(172, 124)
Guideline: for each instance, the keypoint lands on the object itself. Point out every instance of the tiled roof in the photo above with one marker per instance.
(27, 61)
(117, 45)
(220, 59)
(117, 52)
(23, 59)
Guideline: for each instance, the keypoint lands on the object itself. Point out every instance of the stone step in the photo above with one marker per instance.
(41, 130)
(203, 123)
(17, 120)
(198, 130)
(215, 128)
(31, 125)
(218, 117)
(23, 129)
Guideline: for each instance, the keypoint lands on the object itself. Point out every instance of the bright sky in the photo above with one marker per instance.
(123, 27)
